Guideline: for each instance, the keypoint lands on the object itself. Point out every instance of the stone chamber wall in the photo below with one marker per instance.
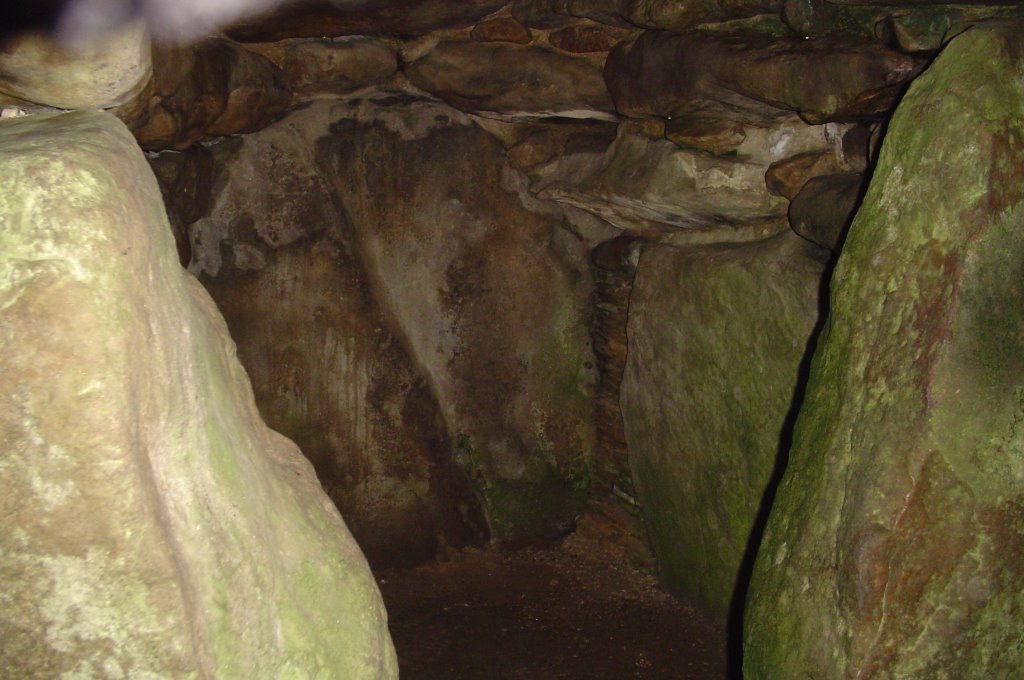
(741, 279)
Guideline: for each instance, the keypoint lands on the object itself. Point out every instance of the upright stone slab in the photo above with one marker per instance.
(150, 524)
(716, 337)
(895, 548)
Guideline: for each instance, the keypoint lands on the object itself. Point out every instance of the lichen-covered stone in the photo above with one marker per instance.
(151, 525)
(716, 337)
(896, 542)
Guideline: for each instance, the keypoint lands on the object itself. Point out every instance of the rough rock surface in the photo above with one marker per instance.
(653, 187)
(338, 66)
(716, 338)
(152, 525)
(100, 75)
(895, 544)
(211, 89)
(329, 367)
(558, 13)
(331, 19)
(754, 78)
(822, 210)
(490, 291)
(459, 339)
(515, 81)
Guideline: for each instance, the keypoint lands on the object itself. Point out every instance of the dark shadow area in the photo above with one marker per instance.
(564, 612)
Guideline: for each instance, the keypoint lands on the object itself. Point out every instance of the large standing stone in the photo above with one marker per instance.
(152, 526)
(210, 89)
(716, 338)
(457, 303)
(896, 544)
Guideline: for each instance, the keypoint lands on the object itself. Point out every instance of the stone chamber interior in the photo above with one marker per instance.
(607, 339)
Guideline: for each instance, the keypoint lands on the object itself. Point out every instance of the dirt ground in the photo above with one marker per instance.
(572, 610)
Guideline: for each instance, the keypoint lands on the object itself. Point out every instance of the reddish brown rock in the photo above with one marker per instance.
(212, 89)
(581, 39)
(500, 78)
(504, 29)
(787, 177)
(754, 78)
(322, 19)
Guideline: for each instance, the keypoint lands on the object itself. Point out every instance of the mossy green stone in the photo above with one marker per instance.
(716, 338)
(895, 545)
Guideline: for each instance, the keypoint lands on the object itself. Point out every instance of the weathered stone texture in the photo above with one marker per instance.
(500, 78)
(716, 338)
(896, 542)
(207, 90)
(152, 525)
(100, 75)
(456, 350)
(328, 365)
(751, 77)
(319, 67)
(335, 18)
(655, 188)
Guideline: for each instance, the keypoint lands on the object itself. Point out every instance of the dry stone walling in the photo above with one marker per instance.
(896, 544)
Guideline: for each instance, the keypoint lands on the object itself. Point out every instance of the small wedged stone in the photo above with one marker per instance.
(211, 89)
(151, 525)
(822, 210)
(788, 176)
(511, 80)
(503, 29)
(754, 78)
(894, 545)
(101, 75)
